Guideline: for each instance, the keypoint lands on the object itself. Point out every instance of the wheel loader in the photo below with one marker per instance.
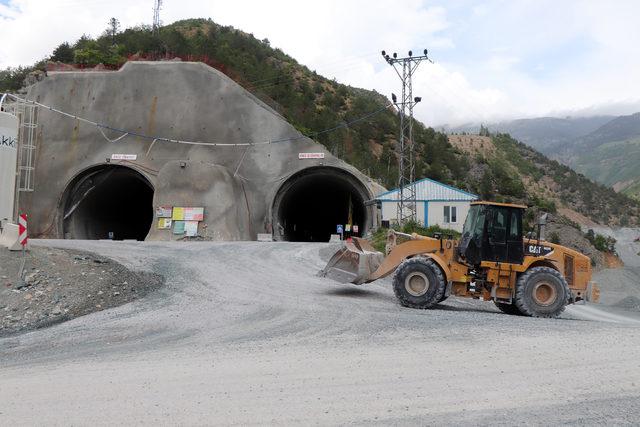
(492, 261)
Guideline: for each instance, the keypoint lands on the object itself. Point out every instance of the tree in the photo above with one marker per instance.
(12, 79)
(63, 53)
(114, 28)
(486, 185)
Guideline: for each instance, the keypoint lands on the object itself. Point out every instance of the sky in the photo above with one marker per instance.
(492, 60)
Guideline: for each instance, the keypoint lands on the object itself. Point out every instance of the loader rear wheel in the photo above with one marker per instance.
(418, 283)
(542, 292)
(508, 308)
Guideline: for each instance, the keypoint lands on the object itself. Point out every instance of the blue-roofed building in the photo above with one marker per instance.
(436, 204)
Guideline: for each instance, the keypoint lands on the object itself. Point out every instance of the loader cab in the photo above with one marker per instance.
(492, 232)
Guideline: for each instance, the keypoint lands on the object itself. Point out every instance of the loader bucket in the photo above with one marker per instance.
(354, 262)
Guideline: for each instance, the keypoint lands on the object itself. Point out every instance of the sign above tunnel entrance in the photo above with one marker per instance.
(310, 156)
(124, 157)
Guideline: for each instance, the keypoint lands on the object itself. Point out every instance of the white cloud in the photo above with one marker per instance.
(494, 61)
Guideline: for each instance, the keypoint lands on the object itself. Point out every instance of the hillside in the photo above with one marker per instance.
(309, 101)
(507, 170)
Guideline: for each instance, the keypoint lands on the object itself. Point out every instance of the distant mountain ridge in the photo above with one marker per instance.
(610, 154)
(603, 148)
(621, 128)
(545, 134)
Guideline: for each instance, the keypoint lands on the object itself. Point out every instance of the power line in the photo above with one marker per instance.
(405, 67)
(124, 133)
(333, 65)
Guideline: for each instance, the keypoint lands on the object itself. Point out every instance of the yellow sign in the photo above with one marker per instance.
(164, 223)
(178, 214)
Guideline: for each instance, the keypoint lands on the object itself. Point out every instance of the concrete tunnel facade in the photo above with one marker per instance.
(81, 192)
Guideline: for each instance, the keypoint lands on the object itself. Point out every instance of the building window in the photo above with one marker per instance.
(450, 214)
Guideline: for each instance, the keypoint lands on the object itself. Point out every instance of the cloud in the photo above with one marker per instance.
(495, 61)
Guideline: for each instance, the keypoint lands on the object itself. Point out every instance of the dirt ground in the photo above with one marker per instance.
(245, 333)
(60, 285)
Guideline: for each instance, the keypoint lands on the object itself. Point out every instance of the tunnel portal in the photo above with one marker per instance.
(310, 205)
(108, 199)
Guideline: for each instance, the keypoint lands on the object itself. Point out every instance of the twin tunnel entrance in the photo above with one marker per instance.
(108, 202)
(111, 201)
(309, 205)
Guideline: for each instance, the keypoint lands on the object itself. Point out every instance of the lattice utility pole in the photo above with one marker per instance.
(157, 5)
(405, 67)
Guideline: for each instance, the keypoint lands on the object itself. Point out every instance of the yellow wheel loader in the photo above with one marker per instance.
(492, 261)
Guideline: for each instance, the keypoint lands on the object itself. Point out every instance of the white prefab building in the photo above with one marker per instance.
(436, 204)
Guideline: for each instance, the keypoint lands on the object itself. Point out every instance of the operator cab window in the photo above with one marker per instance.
(498, 227)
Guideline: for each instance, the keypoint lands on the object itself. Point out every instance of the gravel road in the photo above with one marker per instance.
(244, 333)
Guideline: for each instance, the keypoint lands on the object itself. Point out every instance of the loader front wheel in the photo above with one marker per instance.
(542, 292)
(418, 283)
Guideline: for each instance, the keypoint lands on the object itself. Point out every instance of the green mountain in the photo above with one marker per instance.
(312, 103)
(512, 171)
(610, 154)
(621, 128)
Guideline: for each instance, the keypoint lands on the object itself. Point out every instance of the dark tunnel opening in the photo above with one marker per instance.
(109, 199)
(310, 205)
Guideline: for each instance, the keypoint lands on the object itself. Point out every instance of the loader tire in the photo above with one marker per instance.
(508, 308)
(418, 283)
(542, 292)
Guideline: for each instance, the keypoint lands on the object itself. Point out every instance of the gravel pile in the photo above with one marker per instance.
(574, 238)
(60, 285)
(630, 303)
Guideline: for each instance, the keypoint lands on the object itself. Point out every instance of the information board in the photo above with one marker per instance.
(193, 214)
(191, 228)
(164, 212)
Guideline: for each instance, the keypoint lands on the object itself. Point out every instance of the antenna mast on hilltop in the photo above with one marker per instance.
(405, 67)
(157, 5)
